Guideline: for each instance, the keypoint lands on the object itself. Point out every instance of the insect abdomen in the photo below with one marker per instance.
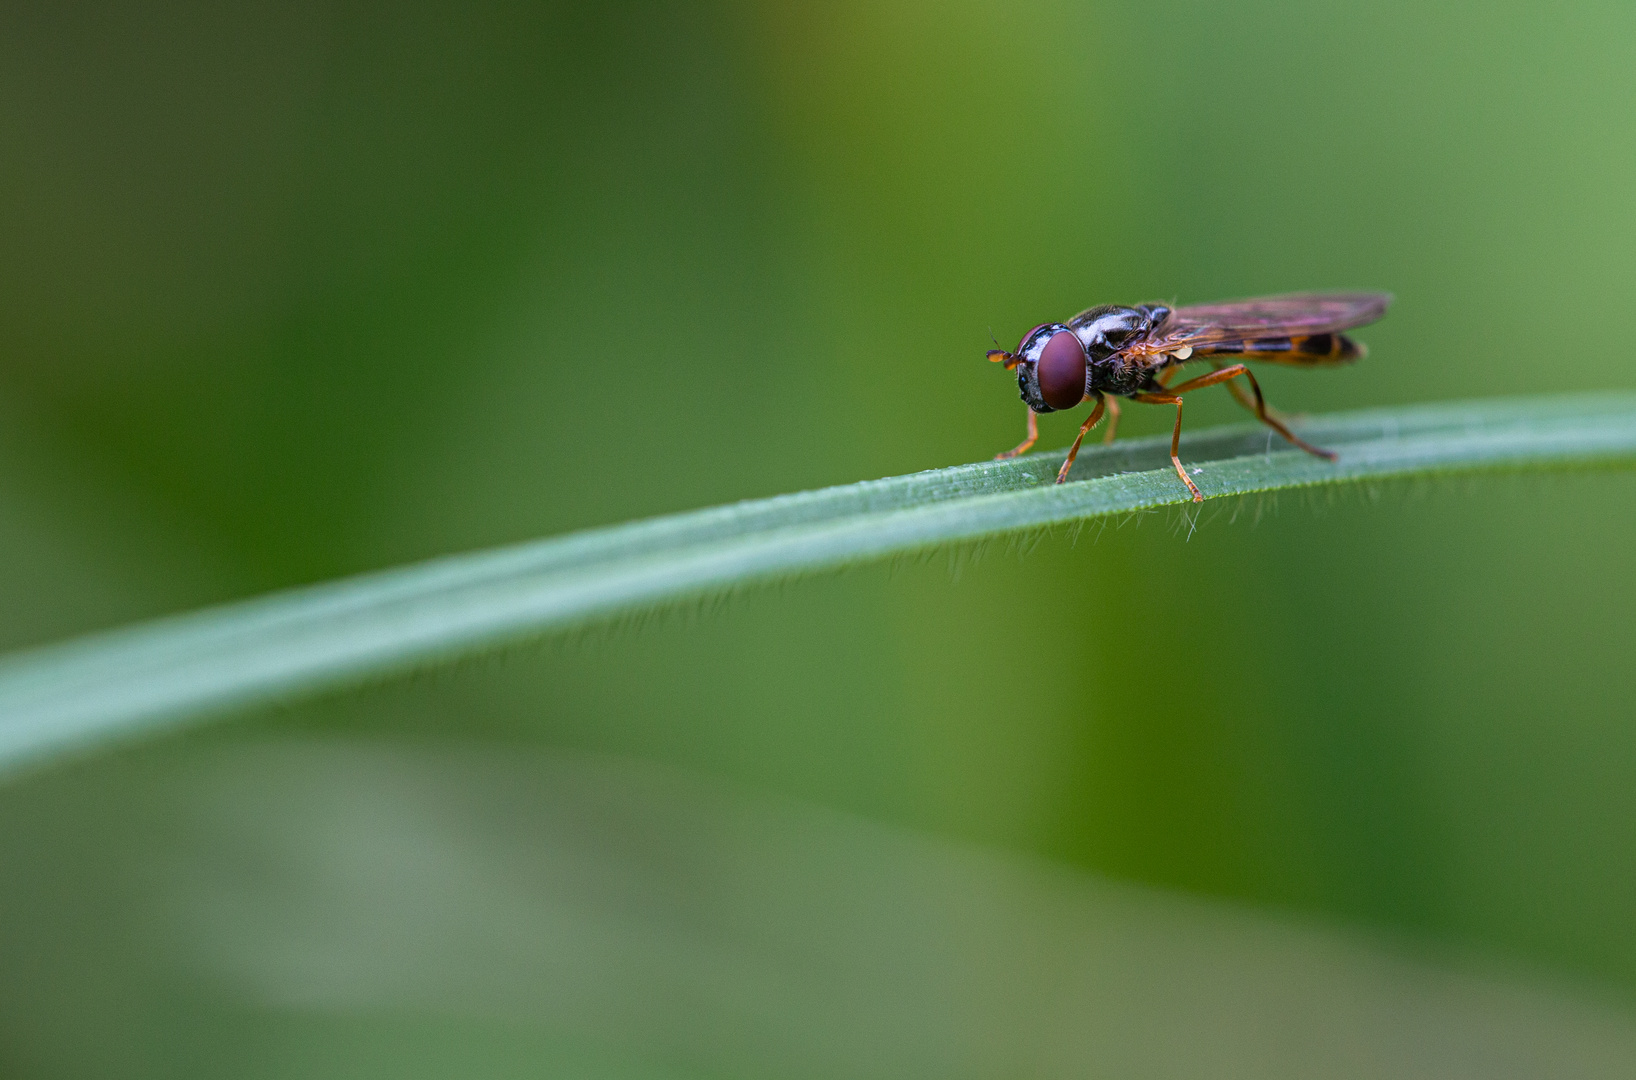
(1309, 349)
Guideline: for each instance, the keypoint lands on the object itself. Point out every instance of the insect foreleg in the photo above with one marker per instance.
(1073, 451)
(1022, 447)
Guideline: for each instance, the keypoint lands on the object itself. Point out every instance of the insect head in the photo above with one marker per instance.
(1052, 367)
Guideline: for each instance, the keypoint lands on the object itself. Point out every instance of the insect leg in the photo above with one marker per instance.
(1229, 373)
(1175, 436)
(1236, 390)
(1022, 447)
(1113, 420)
(1245, 399)
(1073, 451)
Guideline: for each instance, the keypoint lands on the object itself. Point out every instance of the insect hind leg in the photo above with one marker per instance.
(1244, 399)
(1226, 375)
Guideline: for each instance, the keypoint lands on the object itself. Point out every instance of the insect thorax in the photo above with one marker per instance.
(1105, 331)
(1120, 379)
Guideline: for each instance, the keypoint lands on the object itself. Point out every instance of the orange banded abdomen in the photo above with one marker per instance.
(1307, 350)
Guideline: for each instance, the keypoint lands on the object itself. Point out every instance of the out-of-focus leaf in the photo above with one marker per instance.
(345, 908)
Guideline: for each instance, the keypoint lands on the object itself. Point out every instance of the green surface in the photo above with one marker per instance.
(295, 293)
(299, 643)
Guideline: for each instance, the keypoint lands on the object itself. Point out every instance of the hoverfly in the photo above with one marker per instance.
(1112, 351)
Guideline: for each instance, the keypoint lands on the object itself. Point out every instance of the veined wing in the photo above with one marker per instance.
(1291, 315)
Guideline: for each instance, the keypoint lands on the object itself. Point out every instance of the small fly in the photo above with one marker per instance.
(1111, 352)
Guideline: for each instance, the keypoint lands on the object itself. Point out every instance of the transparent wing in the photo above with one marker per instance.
(1292, 315)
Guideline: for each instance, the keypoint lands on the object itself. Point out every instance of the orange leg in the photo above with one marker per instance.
(1228, 373)
(1239, 395)
(1073, 451)
(1113, 420)
(1022, 447)
(1175, 436)
(1246, 400)
(1175, 369)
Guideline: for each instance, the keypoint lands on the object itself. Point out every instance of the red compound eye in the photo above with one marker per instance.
(1062, 371)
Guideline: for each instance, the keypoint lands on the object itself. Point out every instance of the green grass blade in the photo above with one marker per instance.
(311, 639)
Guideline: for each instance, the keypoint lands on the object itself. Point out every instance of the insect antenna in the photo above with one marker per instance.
(998, 355)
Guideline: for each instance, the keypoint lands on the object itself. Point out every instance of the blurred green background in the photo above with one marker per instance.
(294, 291)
